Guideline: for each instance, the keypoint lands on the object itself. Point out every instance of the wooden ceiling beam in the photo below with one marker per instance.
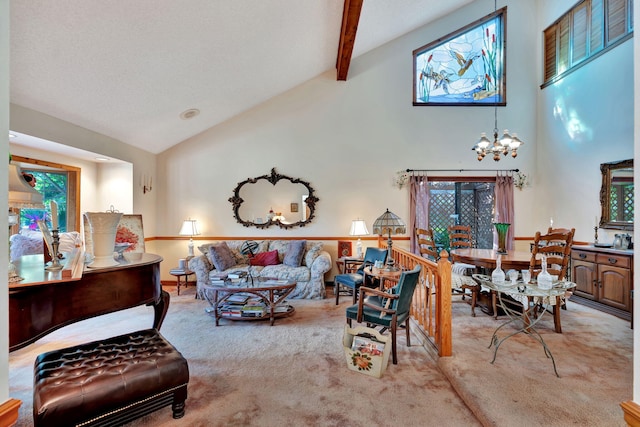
(350, 18)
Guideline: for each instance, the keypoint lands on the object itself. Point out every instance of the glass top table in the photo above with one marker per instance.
(524, 320)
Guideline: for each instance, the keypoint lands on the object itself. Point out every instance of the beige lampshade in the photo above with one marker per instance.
(358, 228)
(189, 228)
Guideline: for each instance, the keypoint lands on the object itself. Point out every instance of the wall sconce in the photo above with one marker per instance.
(145, 183)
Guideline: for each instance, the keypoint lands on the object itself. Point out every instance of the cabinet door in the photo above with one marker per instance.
(615, 287)
(585, 278)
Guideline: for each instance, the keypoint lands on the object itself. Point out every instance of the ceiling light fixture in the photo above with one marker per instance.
(189, 114)
(102, 159)
(507, 142)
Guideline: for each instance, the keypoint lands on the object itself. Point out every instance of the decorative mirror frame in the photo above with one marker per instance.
(273, 178)
(605, 195)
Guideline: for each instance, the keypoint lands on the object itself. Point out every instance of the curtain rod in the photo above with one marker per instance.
(463, 170)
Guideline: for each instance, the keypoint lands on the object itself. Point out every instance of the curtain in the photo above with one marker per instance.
(418, 209)
(504, 208)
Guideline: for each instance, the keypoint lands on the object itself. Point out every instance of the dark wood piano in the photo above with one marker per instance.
(46, 301)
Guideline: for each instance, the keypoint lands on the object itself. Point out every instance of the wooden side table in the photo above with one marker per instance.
(178, 273)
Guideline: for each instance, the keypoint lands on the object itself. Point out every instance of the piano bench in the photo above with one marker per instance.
(109, 382)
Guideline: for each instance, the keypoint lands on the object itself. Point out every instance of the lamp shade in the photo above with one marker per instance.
(189, 228)
(21, 194)
(389, 223)
(358, 228)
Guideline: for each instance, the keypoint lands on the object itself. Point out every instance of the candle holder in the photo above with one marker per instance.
(55, 244)
(595, 229)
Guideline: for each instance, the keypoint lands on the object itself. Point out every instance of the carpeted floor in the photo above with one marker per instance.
(295, 373)
(594, 357)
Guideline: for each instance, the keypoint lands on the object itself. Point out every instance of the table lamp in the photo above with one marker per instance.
(358, 228)
(389, 223)
(21, 195)
(189, 228)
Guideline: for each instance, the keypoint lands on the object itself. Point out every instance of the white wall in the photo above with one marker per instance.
(585, 119)
(348, 139)
(115, 187)
(46, 127)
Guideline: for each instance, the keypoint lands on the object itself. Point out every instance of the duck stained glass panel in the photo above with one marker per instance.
(466, 67)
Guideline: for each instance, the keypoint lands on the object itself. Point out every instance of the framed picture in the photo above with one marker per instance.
(344, 248)
(294, 207)
(466, 67)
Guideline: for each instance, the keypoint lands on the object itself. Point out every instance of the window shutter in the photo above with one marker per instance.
(616, 19)
(597, 26)
(563, 46)
(550, 52)
(580, 19)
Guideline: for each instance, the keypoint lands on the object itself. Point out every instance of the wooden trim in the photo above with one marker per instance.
(73, 216)
(9, 412)
(216, 238)
(631, 413)
(350, 18)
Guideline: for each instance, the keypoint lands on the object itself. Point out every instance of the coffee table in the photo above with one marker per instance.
(272, 292)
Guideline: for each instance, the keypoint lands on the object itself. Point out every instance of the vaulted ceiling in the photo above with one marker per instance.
(129, 69)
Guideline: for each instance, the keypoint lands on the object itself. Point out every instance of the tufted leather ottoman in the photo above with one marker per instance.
(109, 382)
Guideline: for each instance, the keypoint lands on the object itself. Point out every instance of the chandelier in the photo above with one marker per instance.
(498, 146)
(503, 145)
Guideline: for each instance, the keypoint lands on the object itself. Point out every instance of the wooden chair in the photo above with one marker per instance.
(389, 308)
(427, 244)
(461, 280)
(460, 236)
(556, 246)
(353, 281)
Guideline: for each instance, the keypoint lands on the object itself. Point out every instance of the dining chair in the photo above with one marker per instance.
(556, 246)
(461, 280)
(388, 308)
(353, 281)
(427, 244)
(460, 236)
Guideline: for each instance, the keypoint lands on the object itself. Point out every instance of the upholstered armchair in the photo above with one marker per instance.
(388, 308)
(353, 281)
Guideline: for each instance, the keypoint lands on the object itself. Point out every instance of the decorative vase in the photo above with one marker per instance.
(497, 276)
(545, 281)
(501, 228)
(103, 227)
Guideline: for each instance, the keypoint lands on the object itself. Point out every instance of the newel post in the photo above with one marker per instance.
(443, 305)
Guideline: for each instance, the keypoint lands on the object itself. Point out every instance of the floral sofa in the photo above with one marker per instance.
(299, 260)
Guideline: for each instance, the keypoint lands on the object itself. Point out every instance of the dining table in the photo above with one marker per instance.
(485, 261)
(486, 258)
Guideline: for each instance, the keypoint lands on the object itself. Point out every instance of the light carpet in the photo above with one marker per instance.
(247, 373)
(594, 358)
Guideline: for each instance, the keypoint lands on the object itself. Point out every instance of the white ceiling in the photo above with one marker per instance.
(128, 69)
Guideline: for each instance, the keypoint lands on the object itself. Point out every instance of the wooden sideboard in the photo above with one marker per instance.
(604, 279)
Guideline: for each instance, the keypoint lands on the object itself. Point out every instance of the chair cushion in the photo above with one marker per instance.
(351, 280)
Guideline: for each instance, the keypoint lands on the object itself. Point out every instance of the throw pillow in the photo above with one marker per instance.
(265, 258)
(221, 256)
(294, 254)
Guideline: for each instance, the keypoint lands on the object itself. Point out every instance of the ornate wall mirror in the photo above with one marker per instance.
(616, 195)
(273, 199)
